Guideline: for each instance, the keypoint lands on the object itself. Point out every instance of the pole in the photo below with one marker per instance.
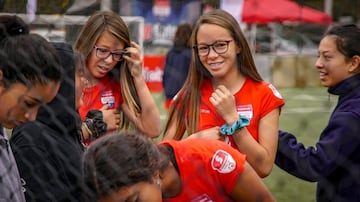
(105, 5)
(328, 6)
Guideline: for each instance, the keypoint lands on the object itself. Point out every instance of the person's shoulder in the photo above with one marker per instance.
(30, 133)
(262, 86)
(63, 46)
(205, 144)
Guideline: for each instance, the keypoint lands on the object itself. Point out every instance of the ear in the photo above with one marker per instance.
(355, 64)
(1, 80)
(157, 178)
(1, 77)
(238, 49)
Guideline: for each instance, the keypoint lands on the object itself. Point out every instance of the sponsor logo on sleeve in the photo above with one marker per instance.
(276, 92)
(202, 198)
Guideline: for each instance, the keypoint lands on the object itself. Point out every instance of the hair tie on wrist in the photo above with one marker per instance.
(237, 125)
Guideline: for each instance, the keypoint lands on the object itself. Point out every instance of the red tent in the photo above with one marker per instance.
(266, 11)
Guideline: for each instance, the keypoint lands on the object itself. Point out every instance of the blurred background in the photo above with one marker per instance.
(283, 38)
(282, 34)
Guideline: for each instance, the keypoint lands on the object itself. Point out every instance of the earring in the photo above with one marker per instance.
(158, 183)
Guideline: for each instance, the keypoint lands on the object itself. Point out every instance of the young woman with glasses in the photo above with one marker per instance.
(225, 94)
(117, 86)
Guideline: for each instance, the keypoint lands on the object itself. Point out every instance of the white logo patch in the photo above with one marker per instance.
(202, 198)
(223, 162)
(108, 98)
(245, 110)
(276, 92)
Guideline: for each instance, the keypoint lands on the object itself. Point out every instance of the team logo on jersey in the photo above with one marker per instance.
(202, 198)
(223, 162)
(276, 92)
(245, 110)
(108, 98)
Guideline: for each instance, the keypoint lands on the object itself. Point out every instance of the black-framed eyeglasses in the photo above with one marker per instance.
(104, 53)
(219, 47)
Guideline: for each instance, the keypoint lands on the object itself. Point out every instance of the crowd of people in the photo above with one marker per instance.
(78, 122)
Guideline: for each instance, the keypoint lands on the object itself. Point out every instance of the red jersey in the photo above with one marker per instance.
(107, 91)
(209, 169)
(254, 100)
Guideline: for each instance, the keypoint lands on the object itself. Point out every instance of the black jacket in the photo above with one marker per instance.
(48, 151)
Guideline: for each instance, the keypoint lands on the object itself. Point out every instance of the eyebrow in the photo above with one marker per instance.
(33, 99)
(116, 50)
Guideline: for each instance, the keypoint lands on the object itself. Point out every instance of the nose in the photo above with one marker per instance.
(109, 59)
(212, 52)
(318, 63)
(31, 115)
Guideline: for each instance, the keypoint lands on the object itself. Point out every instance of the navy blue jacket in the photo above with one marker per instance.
(334, 162)
(175, 70)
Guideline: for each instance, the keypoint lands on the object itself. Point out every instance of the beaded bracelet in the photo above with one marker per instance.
(237, 125)
(88, 130)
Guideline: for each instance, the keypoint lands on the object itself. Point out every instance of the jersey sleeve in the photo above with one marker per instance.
(271, 99)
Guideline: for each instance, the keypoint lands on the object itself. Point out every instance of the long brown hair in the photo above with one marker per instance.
(185, 110)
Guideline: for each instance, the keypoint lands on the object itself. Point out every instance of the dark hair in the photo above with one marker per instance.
(182, 35)
(347, 39)
(26, 58)
(12, 25)
(167, 156)
(119, 160)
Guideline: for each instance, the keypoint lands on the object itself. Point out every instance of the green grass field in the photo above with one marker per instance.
(305, 114)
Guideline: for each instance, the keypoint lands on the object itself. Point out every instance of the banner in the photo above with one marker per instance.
(153, 71)
(163, 16)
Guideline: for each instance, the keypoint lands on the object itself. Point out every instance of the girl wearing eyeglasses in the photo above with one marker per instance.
(117, 86)
(225, 94)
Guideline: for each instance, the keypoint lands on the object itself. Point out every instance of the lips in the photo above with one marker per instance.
(103, 70)
(322, 75)
(215, 65)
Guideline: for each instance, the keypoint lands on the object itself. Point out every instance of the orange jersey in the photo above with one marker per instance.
(107, 91)
(254, 100)
(209, 169)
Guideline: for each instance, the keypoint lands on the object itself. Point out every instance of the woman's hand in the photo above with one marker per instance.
(210, 133)
(134, 59)
(224, 102)
(111, 117)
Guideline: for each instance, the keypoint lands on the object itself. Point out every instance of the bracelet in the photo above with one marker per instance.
(237, 125)
(95, 123)
(90, 134)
